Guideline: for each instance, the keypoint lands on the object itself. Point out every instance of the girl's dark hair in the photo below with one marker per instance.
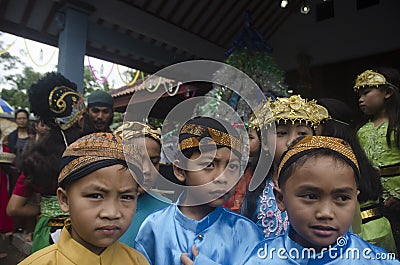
(41, 160)
(287, 172)
(369, 185)
(392, 104)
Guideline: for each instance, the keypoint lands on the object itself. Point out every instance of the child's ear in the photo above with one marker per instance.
(279, 198)
(389, 92)
(62, 197)
(179, 172)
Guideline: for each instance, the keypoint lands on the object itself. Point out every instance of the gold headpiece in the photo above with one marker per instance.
(293, 109)
(67, 105)
(7, 158)
(217, 138)
(96, 147)
(131, 129)
(370, 78)
(319, 142)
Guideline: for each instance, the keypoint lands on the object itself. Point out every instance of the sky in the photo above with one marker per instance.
(43, 58)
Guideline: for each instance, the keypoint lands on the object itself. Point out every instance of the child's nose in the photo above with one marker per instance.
(222, 177)
(325, 211)
(110, 210)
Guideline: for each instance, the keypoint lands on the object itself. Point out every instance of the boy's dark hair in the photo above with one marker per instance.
(370, 185)
(320, 152)
(21, 110)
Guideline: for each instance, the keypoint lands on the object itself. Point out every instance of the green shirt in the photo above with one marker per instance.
(373, 141)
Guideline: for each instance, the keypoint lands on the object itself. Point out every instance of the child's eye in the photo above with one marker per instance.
(209, 165)
(128, 197)
(280, 133)
(94, 196)
(233, 167)
(302, 133)
(310, 196)
(343, 198)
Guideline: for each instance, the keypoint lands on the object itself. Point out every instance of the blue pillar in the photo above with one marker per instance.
(73, 24)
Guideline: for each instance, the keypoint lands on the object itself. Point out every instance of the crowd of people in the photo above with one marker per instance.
(331, 194)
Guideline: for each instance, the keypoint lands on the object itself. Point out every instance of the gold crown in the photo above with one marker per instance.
(369, 78)
(291, 109)
(131, 129)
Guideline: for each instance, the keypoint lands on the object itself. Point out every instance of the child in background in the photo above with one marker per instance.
(236, 201)
(99, 192)
(148, 200)
(317, 187)
(197, 229)
(379, 100)
(293, 117)
(369, 223)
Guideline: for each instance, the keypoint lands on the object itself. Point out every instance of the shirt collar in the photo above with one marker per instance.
(194, 225)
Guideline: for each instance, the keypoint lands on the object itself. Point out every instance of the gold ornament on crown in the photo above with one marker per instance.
(370, 78)
(290, 109)
(132, 129)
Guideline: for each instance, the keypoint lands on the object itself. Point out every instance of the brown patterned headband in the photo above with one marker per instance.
(308, 143)
(217, 137)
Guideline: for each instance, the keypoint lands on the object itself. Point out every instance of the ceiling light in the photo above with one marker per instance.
(284, 3)
(305, 9)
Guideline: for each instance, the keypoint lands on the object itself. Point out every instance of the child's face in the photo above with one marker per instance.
(254, 142)
(320, 199)
(101, 206)
(285, 134)
(372, 100)
(151, 164)
(219, 172)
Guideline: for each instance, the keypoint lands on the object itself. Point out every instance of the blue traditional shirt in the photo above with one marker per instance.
(147, 203)
(349, 249)
(222, 237)
(268, 216)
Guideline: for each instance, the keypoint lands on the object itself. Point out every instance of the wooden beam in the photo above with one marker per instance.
(158, 29)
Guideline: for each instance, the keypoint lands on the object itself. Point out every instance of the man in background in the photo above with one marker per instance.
(99, 115)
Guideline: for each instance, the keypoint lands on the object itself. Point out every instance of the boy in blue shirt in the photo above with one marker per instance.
(317, 187)
(196, 229)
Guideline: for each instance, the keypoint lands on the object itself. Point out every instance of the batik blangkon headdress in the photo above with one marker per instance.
(94, 151)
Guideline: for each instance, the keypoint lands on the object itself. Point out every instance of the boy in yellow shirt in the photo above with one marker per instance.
(100, 193)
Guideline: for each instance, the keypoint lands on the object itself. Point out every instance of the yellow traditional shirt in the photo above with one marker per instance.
(67, 251)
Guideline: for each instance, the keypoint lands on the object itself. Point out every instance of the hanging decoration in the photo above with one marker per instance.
(251, 54)
(135, 78)
(102, 80)
(170, 91)
(40, 55)
(8, 48)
